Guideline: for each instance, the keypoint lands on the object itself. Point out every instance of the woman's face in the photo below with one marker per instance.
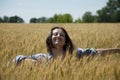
(58, 38)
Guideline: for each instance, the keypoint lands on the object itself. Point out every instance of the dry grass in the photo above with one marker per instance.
(29, 39)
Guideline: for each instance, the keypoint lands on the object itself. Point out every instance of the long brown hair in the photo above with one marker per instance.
(68, 43)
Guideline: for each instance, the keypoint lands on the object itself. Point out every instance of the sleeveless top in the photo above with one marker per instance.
(79, 52)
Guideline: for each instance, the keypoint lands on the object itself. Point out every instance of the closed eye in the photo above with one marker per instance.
(62, 35)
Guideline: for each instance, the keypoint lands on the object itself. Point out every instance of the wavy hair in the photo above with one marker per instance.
(68, 43)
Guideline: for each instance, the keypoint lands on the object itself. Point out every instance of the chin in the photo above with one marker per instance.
(58, 44)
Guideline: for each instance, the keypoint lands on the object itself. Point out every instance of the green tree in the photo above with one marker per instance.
(20, 20)
(33, 20)
(55, 18)
(88, 17)
(67, 18)
(104, 16)
(1, 20)
(6, 19)
(16, 19)
(78, 20)
(62, 18)
(59, 19)
(110, 13)
(42, 20)
(50, 20)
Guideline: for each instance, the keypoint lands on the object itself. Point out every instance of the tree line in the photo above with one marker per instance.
(12, 19)
(109, 13)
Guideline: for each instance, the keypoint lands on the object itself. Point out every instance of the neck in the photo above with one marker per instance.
(58, 52)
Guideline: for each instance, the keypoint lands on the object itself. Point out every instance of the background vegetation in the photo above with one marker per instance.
(109, 13)
(28, 39)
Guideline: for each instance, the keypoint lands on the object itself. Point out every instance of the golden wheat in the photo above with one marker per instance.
(28, 39)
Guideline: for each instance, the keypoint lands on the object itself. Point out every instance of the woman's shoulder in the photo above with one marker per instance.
(86, 51)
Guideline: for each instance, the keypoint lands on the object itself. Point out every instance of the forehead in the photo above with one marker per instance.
(58, 30)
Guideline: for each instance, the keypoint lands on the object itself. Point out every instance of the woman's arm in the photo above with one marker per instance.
(108, 51)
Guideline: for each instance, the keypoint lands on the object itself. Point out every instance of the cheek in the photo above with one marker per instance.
(53, 39)
(64, 41)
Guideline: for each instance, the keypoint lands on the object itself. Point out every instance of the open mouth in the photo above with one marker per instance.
(57, 41)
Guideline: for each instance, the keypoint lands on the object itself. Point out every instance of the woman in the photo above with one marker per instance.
(58, 43)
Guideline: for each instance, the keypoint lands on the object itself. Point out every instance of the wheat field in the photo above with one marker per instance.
(28, 39)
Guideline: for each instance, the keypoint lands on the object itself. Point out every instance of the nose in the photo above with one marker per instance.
(58, 35)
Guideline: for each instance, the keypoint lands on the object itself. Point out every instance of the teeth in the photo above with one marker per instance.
(57, 41)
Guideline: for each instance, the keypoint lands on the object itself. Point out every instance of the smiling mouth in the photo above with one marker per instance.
(57, 40)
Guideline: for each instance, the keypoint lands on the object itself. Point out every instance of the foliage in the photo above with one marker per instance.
(15, 19)
(6, 19)
(65, 18)
(57, 18)
(110, 13)
(1, 20)
(12, 19)
(28, 39)
(42, 20)
(33, 20)
(78, 20)
(88, 17)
